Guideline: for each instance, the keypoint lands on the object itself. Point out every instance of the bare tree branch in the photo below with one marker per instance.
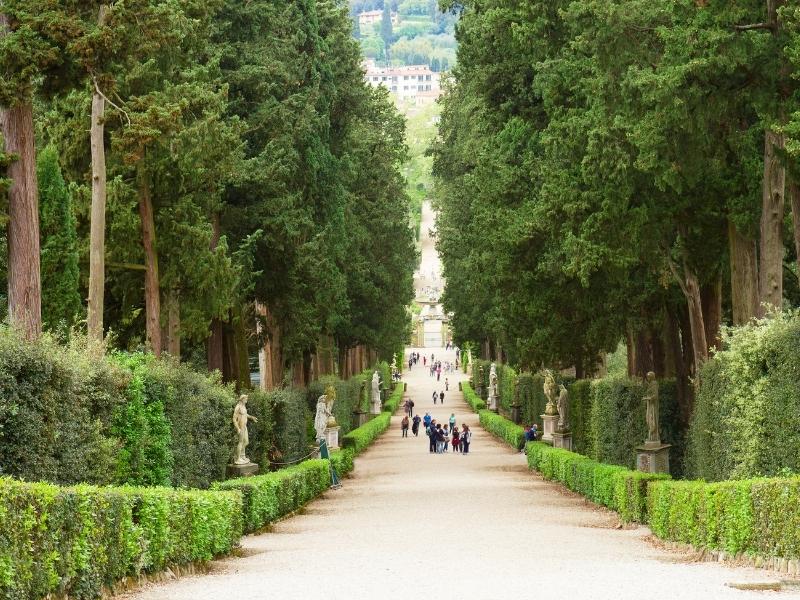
(111, 102)
(752, 26)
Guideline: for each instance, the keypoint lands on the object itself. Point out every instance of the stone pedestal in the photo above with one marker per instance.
(491, 402)
(375, 408)
(245, 470)
(653, 458)
(332, 437)
(562, 439)
(360, 417)
(549, 422)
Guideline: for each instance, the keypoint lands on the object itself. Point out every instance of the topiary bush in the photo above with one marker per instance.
(360, 438)
(756, 516)
(471, 398)
(580, 420)
(531, 398)
(393, 401)
(746, 421)
(281, 430)
(266, 498)
(75, 540)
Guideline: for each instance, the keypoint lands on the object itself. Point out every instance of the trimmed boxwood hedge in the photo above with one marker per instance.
(266, 498)
(393, 401)
(75, 540)
(471, 397)
(755, 516)
(506, 430)
(613, 486)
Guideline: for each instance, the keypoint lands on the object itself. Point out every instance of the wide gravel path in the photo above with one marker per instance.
(408, 524)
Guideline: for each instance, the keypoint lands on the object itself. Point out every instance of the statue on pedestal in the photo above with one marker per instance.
(376, 393)
(651, 398)
(240, 419)
(563, 410)
(550, 390)
(321, 417)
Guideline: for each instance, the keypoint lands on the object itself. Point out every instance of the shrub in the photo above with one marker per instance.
(610, 485)
(360, 438)
(746, 421)
(756, 516)
(472, 398)
(393, 402)
(580, 411)
(508, 431)
(75, 540)
(266, 498)
(282, 422)
(342, 461)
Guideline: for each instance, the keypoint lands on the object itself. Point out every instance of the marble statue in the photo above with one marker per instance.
(240, 419)
(651, 398)
(376, 393)
(550, 390)
(563, 409)
(321, 418)
(493, 379)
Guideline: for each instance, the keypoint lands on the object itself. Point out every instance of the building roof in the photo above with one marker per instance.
(394, 71)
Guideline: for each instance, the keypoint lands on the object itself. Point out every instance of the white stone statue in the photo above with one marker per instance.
(651, 398)
(550, 390)
(240, 419)
(563, 409)
(321, 418)
(493, 380)
(376, 393)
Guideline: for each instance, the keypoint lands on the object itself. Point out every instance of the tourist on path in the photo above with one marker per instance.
(415, 425)
(404, 426)
(452, 421)
(410, 408)
(466, 438)
(432, 437)
(441, 397)
(435, 396)
(456, 441)
(446, 385)
(427, 420)
(446, 435)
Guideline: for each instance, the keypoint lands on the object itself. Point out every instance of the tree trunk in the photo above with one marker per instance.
(744, 276)
(630, 353)
(772, 207)
(711, 296)
(152, 294)
(174, 323)
(267, 382)
(214, 344)
(24, 279)
(694, 303)
(676, 342)
(97, 235)
(794, 196)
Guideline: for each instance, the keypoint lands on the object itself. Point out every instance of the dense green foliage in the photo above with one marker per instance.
(613, 486)
(756, 516)
(360, 438)
(747, 416)
(75, 540)
(266, 498)
(472, 398)
(508, 431)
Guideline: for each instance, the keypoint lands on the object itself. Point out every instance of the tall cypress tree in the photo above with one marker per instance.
(61, 301)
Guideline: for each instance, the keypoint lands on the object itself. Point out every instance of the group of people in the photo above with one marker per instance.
(438, 396)
(443, 436)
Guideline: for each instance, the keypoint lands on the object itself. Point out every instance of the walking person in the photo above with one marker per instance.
(410, 408)
(446, 385)
(439, 438)
(452, 421)
(435, 396)
(432, 437)
(407, 406)
(404, 426)
(439, 373)
(456, 441)
(446, 435)
(415, 426)
(466, 438)
(441, 397)
(426, 420)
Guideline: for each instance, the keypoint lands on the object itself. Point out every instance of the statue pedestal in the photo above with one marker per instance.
(332, 437)
(653, 458)
(491, 403)
(360, 417)
(246, 470)
(562, 439)
(375, 408)
(549, 422)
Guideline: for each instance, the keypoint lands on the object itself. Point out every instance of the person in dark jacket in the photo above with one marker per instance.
(415, 425)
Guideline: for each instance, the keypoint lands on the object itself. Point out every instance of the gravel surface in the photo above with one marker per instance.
(409, 524)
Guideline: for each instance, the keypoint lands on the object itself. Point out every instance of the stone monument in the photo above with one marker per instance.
(331, 427)
(562, 436)
(375, 398)
(550, 416)
(241, 465)
(652, 456)
(492, 397)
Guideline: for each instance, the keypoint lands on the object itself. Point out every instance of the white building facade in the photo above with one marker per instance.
(404, 82)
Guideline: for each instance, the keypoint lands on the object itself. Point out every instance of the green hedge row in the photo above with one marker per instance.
(393, 401)
(508, 431)
(75, 540)
(360, 438)
(613, 486)
(756, 516)
(472, 398)
(266, 498)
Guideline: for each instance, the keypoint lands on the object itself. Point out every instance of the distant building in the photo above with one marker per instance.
(375, 16)
(413, 82)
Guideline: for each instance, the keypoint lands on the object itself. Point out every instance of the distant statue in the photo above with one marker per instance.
(376, 393)
(651, 398)
(321, 418)
(550, 390)
(563, 409)
(240, 419)
(493, 380)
